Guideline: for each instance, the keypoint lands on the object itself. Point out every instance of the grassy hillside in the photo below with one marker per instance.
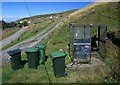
(39, 23)
(99, 13)
(46, 17)
(61, 36)
(96, 13)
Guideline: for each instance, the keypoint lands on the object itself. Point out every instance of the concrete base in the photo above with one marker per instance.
(77, 65)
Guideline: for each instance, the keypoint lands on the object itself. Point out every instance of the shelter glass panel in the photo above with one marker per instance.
(81, 43)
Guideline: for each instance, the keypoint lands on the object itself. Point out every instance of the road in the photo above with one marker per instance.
(12, 37)
(29, 42)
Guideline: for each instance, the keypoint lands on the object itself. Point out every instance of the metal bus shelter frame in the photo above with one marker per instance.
(101, 40)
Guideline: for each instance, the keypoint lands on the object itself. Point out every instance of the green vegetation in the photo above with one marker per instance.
(23, 24)
(106, 73)
(8, 25)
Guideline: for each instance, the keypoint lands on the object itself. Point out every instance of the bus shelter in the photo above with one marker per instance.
(85, 38)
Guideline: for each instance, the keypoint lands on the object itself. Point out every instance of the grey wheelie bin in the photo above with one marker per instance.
(41, 50)
(15, 59)
(32, 57)
(58, 60)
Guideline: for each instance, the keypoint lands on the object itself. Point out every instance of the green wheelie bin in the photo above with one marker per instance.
(32, 57)
(15, 59)
(58, 60)
(41, 50)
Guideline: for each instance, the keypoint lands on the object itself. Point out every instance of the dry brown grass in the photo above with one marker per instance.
(83, 11)
(7, 32)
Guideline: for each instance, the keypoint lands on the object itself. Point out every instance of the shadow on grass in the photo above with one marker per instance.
(23, 62)
(112, 36)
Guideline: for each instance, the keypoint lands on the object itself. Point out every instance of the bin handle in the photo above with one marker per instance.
(69, 49)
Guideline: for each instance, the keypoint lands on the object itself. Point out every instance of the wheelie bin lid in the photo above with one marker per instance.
(57, 54)
(31, 50)
(15, 51)
(41, 46)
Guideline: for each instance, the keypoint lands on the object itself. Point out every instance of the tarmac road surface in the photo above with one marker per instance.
(12, 37)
